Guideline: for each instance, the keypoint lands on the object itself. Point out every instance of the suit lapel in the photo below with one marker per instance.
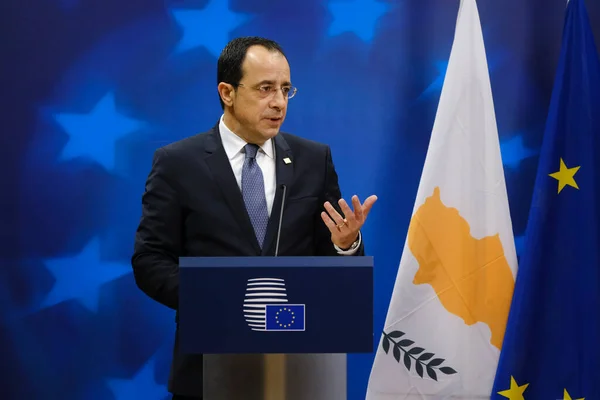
(217, 161)
(284, 173)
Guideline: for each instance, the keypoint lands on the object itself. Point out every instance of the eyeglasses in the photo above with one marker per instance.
(265, 91)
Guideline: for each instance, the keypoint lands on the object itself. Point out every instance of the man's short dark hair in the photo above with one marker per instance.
(229, 66)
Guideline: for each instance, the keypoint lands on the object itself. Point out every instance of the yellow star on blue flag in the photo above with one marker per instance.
(515, 392)
(551, 338)
(567, 396)
(565, 176)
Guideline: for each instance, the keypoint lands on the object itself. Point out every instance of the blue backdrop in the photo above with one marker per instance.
(90, 88)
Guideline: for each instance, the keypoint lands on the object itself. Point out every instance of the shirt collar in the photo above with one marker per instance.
(234, 144)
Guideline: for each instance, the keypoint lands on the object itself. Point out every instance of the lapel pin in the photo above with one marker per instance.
(287, 160)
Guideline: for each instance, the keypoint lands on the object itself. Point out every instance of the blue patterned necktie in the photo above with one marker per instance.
(253, 191)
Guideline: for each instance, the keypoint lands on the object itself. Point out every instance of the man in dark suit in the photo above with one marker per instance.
(220, 193)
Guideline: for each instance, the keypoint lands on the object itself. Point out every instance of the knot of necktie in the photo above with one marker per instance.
(251, 150)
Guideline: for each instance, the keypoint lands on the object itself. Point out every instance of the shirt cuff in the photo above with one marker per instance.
(351, 251)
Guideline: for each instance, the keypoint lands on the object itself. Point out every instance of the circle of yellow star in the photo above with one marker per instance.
(515, 392)
(565, 176)
(567, 396)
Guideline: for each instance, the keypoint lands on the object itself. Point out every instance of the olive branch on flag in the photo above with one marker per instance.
(410, 355)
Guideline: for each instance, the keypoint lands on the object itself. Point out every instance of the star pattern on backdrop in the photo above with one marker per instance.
(141, 386)
(81, 276)
(514, 151)
(209, 27)
(357, 16)
(435, 87)
(94, 135)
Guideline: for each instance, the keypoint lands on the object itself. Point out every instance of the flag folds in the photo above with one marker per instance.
(552, 342)
(447, 315)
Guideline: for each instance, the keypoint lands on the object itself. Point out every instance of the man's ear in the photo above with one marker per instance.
(227, 93)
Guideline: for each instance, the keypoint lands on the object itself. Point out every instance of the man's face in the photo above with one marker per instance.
(259, 103)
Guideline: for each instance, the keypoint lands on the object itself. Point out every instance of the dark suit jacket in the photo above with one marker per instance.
(192, 206)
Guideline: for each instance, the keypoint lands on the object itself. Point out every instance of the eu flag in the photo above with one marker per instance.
(285, 317)
(551, 347)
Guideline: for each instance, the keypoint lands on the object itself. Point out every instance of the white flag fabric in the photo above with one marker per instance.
(448, 311)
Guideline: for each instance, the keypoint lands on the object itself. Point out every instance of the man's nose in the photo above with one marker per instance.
(278, 99)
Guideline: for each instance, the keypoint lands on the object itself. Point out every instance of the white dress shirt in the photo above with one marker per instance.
(265, 157)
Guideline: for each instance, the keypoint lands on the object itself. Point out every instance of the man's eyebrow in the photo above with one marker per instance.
(270, 82)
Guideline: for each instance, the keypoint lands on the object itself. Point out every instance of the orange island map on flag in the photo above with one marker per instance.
(446, 320)
(471, 277)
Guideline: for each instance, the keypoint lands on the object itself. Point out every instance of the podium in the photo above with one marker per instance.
(275, 328)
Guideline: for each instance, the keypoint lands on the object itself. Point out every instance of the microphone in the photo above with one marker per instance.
(280, 219)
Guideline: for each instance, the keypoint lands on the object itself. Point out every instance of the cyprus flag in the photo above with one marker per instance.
(446, 319)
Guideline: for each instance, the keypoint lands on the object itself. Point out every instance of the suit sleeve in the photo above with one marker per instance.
(158, 237)
(331, 193)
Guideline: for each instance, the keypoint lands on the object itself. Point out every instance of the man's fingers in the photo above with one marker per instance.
(328, 221)
(358, 210)
(369, 204)
(350, 219)
(337, 218)
(335, 222)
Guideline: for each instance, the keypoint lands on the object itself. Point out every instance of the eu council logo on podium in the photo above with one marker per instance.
(266, 307)
(282, 317)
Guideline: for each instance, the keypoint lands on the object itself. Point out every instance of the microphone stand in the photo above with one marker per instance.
(275, 364)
